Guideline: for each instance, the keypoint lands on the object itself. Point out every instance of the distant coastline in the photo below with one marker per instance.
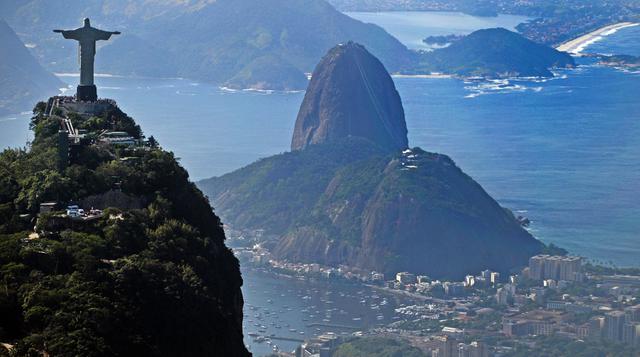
(430, 75)
(577, 45)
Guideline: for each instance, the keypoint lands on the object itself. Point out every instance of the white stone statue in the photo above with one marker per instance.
(87, 37)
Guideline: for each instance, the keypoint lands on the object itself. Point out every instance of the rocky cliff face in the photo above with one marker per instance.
(351, 94)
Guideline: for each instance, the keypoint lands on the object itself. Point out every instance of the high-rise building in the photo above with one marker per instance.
(463, 350)
(406, 278)
(629, 332)
(536, 267)
(453, 288)
(448, 347)
(479, 349)
(502, 296)
(613, 325)
(542, 267)
(495, 277)
(632, 314)
(596, 327)
(469, 280)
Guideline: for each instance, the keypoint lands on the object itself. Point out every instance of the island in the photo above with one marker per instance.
(623, 62)
(441, 40)
(495, 53)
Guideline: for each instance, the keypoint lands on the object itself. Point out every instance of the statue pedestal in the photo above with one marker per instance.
(87, 93)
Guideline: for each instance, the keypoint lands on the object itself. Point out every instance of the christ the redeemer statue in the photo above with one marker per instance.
(87, 37)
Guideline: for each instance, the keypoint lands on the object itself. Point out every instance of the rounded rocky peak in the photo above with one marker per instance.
(351, 94)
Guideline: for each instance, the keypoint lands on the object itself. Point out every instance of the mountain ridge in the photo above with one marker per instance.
(22, 79)
(225, 38)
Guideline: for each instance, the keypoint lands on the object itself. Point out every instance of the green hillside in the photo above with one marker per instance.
(148, 274)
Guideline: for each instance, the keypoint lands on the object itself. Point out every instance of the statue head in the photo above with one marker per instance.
(87, 23)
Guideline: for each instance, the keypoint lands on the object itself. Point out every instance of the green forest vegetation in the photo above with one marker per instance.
(154, 281)
(496, 52)
(563, 347)
(365, 200)
(275, 193)
(377, 347)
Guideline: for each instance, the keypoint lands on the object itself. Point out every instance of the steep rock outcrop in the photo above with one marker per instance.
(351, 94)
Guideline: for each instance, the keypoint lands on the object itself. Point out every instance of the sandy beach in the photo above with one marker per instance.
(577, 45)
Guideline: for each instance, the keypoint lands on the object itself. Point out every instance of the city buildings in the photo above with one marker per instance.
(555, 267)
(406, 278)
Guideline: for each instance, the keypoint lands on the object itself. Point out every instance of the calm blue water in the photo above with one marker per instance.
(287, 307)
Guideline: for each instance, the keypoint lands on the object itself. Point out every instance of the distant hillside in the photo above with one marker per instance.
(496, 53)
(22, 79)
(238, 43)
(364, 200)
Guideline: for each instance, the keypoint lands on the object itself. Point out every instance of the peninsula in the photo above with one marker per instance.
(352, 192)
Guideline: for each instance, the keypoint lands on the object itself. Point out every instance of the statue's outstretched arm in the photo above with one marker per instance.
(68, 34)
(105, 35)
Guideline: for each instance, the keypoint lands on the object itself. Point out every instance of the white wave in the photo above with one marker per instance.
(98, 75)
(500, 86)
(178, 92)
(227, 89)
(259, 91)
(262, 91)
(2, 120)
(67, 74)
